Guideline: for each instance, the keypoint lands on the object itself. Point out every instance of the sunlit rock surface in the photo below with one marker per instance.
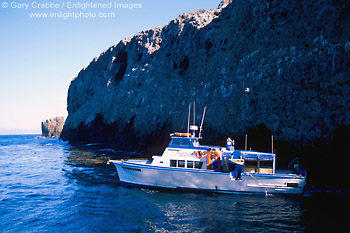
(52, 127)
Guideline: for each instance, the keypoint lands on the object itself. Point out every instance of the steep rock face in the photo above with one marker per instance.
(52, 127)
(281, 64)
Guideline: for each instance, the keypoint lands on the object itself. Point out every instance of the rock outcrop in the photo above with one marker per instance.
(52, 127)
(283, 66)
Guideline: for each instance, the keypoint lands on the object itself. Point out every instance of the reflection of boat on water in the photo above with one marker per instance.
(187, 165)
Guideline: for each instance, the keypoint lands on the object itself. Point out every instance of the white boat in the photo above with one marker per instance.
(187, 165)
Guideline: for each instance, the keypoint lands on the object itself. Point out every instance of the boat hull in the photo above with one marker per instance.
(143, 174)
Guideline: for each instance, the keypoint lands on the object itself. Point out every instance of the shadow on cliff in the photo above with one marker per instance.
(120, 139)
(325, 160)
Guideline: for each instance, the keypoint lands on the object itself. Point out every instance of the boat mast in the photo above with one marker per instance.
(201, 127)
(274, 158)
(194, 113)
(188, 119)
(193, 127)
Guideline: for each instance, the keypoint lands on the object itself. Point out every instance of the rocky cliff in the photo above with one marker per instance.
(280, 66)
(52, 127)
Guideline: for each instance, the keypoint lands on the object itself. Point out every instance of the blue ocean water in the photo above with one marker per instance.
(49, 186)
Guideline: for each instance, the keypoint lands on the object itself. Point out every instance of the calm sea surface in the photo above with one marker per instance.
(49, 186)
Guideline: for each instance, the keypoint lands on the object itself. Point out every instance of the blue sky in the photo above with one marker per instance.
(40, 56)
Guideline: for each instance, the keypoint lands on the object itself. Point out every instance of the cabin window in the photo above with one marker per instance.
(198, 164)
(173, 163)
(266, 163)
(250, 162)
(180, 142)
(181, 163)
(262, 163)
(175, 142)
(189, 164)
(256, 165)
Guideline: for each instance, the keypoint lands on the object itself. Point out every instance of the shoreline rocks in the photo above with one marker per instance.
(52, 127)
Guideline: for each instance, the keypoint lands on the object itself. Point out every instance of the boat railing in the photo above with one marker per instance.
(255, 153)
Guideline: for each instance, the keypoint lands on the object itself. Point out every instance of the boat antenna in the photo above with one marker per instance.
(194, 113)
(200, 129)
(246, 142)
(193, 127)
(274, 157)
(188, 119)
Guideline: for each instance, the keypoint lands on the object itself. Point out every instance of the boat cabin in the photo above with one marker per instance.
(185, 151)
